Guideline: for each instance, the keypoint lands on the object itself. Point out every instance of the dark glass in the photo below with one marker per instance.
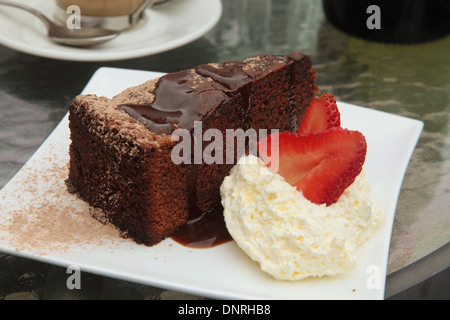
(401, 21)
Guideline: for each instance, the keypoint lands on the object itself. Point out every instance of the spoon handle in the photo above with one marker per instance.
(44, 19)
(136, 14)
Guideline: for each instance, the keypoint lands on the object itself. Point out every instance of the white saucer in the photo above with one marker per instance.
(165, 27)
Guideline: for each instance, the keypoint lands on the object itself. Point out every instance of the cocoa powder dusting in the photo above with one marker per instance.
(39, 215)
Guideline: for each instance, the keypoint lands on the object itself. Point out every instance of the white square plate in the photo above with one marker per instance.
(40, 220)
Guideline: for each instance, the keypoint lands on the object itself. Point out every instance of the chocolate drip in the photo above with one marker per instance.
(174, 103)
(231, 76)
(155, 120)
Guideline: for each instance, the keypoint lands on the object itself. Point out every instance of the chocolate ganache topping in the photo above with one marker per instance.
(173, 104)
(176, 103)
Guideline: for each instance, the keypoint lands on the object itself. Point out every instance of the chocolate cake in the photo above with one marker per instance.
(120, 155)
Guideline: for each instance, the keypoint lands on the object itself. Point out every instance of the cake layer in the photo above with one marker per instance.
(120, 155)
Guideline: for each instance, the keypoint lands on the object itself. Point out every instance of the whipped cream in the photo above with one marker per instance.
(289, 236)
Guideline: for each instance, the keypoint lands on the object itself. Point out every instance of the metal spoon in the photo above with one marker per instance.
(84, 37)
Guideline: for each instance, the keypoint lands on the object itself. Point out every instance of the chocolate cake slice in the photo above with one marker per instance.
(121, 151)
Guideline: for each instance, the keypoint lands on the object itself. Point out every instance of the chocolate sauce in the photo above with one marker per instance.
(174, 103)
(231, 76)
(155, 120)
(204, 231)
(208, 229)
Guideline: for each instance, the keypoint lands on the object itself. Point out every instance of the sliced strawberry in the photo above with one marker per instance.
(321, 115)
(320, 165)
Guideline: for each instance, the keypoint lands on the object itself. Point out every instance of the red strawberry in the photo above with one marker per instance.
(320, 165)
(322, 114)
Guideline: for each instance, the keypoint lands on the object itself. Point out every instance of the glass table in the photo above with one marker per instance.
(408, 80)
